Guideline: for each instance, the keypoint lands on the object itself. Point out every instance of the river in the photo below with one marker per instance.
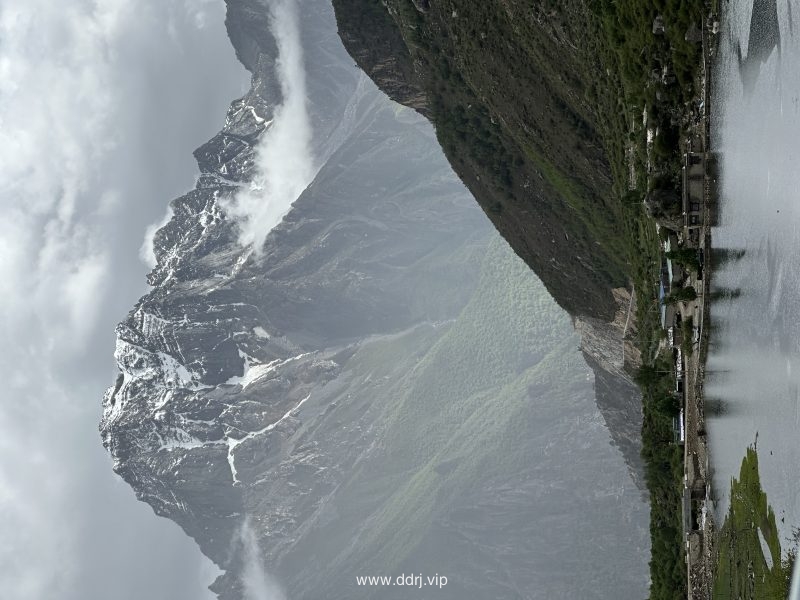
(754, 358)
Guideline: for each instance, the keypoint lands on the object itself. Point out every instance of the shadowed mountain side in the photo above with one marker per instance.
(505, 85)
(620, 403)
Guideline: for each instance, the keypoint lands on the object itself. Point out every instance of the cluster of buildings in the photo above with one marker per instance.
(679, 321)
(682, 267)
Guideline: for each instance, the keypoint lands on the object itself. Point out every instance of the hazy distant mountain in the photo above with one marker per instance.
(384, 388)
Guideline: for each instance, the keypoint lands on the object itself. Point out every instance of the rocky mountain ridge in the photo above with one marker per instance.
(281, 387)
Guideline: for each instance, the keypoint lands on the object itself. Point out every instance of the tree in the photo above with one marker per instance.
(686, 257)
(647, 375)
(664, 205)
(686, 294)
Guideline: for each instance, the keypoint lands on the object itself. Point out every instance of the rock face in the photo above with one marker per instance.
(383, 369)
(610, 350)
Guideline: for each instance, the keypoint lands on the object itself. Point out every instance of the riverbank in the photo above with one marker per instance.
(697, 516)
(671, 167)
(698, 522)
(675, 380)
(742, 558)
(751, 390)
(749, 562)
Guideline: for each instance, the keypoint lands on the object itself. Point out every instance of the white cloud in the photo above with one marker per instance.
(55, 114)
(257, 583)
(285, 164)
(101, 104)
(198, 11)
(146, 251)
(30, 568)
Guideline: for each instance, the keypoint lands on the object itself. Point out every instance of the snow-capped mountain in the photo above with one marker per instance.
(327, 387)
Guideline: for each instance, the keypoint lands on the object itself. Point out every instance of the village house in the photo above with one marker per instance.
(678, 428)
(675, 272)
(669, 312)
(693, 191)
(678, 370)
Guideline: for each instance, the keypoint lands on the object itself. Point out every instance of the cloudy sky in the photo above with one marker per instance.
(101, 104)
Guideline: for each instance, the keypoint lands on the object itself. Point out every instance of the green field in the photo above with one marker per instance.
(750, 564)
